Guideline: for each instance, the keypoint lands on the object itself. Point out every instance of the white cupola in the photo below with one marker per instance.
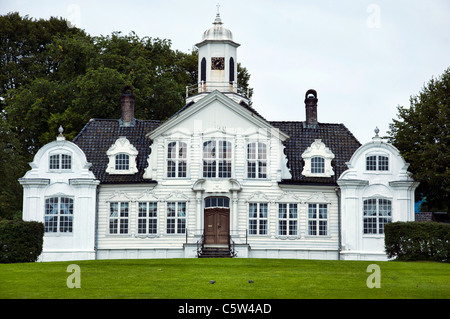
(217, 65)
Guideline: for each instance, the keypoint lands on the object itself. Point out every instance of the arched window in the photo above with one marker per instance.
(176, 159)
(256, 160)
(231, 69)
(203, 70)
(217, 159)
(317, 165)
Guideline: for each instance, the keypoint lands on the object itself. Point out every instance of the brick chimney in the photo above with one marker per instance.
(311, 107)
(127, 101)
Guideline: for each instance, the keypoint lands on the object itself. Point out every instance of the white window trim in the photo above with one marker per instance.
(377, 216)
(257, 160)
(58, 215)
(317, 219)
(119, 218)
(216, 140)
(59, 153)
(318, 149)
(176, 159)
(122, 146)
(377, 170)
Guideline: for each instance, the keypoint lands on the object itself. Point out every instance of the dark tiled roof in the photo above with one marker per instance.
(97, 137)
(336, 137)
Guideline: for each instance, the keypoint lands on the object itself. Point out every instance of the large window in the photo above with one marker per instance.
(176, 159)
(287, 219)
(377, 212)
(58, 216)
(256, 160)
(217, 159)
(60, 161)
(176, 218)
(377, 163)
(257, 218)
(118, 217)
(317, 219)
(147, 218)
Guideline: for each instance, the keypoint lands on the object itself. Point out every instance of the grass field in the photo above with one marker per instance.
(190, 279)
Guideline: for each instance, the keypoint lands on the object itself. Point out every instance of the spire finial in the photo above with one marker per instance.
(376, 130)
(218, 20)
(61, 136)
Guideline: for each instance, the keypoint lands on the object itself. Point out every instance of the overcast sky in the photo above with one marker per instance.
(363, 57)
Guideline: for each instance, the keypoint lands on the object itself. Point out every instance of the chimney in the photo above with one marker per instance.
(311, 107)
(127, 102)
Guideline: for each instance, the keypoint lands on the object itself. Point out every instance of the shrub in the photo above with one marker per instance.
(418, 241)
(20, 241)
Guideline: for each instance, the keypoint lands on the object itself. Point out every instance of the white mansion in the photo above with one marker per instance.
(216, 179)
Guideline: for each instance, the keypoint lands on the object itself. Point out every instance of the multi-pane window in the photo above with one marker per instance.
(176, 218)
(377, 163)
(317, 165)
(222, 202)
(317, 219)
(58, 215)
(217, 159)
(377, 212)
(256, 160)
(60, 161)
(122, 162)
(118, 217)
(257, 218)
(287, 219)
(176, 159)
(147, 218)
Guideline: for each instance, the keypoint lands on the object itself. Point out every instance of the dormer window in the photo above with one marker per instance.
(317, 165)
(377, 163)
(317, 159)
(122, 157)
(122, 162)
(60, 162)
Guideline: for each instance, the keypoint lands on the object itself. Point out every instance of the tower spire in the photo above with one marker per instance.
(218, 20)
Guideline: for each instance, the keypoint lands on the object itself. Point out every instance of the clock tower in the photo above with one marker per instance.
(217, 65)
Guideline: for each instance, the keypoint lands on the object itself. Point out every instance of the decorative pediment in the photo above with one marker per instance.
(258, 197)
(122, 157)
(318, 197)
(318, 159)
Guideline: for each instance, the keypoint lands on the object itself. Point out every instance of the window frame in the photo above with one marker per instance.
(147, 215)
(122, 222)
(59, 216)
(259, 164)
(316, 223)
(374, 224)
(122, 164)
(178, 222)
(288, 220)
(216, 166)
(261, 220)
(317, 165)
(378, 163)
(61, 162)
(177, 160)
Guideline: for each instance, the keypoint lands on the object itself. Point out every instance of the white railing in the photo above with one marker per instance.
(206, 87)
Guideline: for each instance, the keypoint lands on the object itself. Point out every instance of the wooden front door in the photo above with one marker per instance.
(217, 226)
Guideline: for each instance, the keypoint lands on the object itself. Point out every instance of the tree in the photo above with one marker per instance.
(422, 135)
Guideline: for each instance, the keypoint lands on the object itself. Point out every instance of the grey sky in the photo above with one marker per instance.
(363, 57)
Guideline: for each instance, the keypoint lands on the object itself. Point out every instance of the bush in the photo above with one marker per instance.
(418, 241)
(20, 241)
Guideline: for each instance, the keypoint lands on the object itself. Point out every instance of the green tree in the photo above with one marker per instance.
(422, 135)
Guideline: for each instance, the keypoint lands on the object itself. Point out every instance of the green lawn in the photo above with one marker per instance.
(190, 279)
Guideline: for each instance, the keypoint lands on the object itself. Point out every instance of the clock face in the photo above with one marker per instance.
(217, 63)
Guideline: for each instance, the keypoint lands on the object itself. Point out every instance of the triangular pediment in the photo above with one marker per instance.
(215, 112)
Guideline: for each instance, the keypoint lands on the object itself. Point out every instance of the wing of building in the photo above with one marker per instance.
(216, 180)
